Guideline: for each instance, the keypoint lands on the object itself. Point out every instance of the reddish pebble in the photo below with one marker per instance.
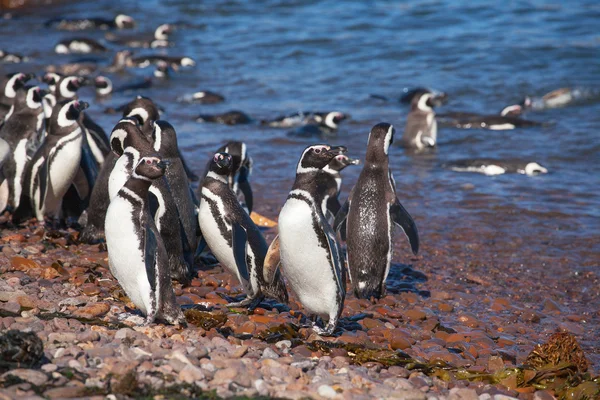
(89, 289)
(415, 315)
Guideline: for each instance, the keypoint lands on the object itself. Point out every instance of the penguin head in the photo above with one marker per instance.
(165, 139)
(317, 156)
(35, 96)
(127, 133)
(341, 161)
(103, 85)
(162, 70)
(66, 114)
(331, 119)
(380, 139)
(162, 32)
(51, 79)
(69, 85)
(425, 101)
(221, 164)
(15, 82)
(142, 108)
(150, 168)
(534, 168)
(409, 94)
(123, 21)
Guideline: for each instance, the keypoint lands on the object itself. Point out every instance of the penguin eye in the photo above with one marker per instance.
(148, 162)
(317, 150)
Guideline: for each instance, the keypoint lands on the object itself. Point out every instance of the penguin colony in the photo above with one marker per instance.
(133, 188)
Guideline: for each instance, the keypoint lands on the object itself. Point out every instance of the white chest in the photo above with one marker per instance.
(118, 177)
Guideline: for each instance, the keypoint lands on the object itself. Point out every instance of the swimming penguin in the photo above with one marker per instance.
(160, 38)
(79, 45)
(15, 58)
(227, 118)
(55, 165)
(103, 85)
(162, 203)
(507, 120)
(121, 21)
(491, 167)
(202, 97)
(22, 131)
(137, 255)
(559, 98)
(156, 59)
(233, 237)
(9, 84)
(328, 120)
(332, 179)
(421, 126)
(161, 71)
(239, 172)
(309, 254)
(165, 144)
(371, 210)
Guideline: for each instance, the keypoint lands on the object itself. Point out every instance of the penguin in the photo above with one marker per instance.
(121, 21)
(239, 172)
(162, 70)
(371, 210)
(232, 236)
(506, 121)
(162, 203)
(156, 59)
(15, 58)
(421, 126)
(127, 132)
(165, 144)
(79, 45)
(320, 124)
(9, 84)
(137, 255)
(332, 179)
(22, 131)
(55, 165)
(559, 98)
(202, 97)
(66, 87)
(306, 248)
(158, 39)
(328, 120)
(51, 79)
(227, 118)
(491, 167)
(103, 85)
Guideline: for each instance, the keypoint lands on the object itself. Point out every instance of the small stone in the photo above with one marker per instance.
(415, 315)
(282, 344)
(191, 374)
(224, 376)
(92, 310)
(240, 351)
(124, 333)
(270, 353)
(11, 307)
(326, 391)
(462, 394)
(62, 337)
(49, 368)
(261, 387)
(543, 395)
(66, 392)
(36, 378)
(303, 365)
(504, 397)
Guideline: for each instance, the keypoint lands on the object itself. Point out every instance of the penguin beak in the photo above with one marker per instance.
(163, 164)
(81, 105)
(439, 99)
(352, 161)
(337, 150)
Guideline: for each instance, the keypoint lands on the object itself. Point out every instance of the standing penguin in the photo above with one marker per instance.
(233, 237)
(22, 132)
(9, 85)
(56, 163)
(138, 257)
(421, 126)
(371, 209)
(310, 256)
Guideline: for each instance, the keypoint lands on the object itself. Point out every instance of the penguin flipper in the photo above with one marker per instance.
(272, 262)
(153, 204)
(402, 218)
(337, 257)
(150, 250)
(244, 186)
(43, 180)
(341, 216)
(239, 241)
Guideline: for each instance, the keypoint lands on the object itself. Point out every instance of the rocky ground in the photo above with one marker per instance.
(444, 331)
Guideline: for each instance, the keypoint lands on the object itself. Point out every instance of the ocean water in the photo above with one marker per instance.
(275, 57)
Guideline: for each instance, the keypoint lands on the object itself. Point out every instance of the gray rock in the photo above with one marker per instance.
(282, 344)
(63, 337)
(270, 353)
(462, 394)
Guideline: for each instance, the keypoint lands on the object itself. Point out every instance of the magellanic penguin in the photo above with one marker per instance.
(22, 131)
(137, 255)
(492, 167)
(165, 144)
(79, 45)
(371, 210)
(239, 172)
(421, 126)
(158, 39)
(161, 201)
(202, 97)
(233, 237)
(9, 85)
(306, 248)
(121, 21)
(156, 59)
(55, 165)
(233, 117)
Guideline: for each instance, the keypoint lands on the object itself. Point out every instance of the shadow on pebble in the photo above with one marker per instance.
(403, 278)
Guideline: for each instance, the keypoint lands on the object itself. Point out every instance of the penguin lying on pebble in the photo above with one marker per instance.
(306, 248)
(137, 255)
(371, 211)
(232, 236)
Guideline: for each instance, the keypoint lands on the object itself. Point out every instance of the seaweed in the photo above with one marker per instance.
(205, 320)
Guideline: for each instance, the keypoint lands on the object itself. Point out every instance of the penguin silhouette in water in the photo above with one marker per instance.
(233, 237)
(371, 211)
(137, 255)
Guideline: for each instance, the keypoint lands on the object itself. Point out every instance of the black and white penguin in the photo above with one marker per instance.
(52, 78)
(79, 45)
(329, 120)
(165, 144)
(161, 71)
(158, 39)
(240, 171)
(332, 179)
(55, 165)
(491, 166)
(371, 210)
(103, 85)
(15, 58)
(202, 97)
(137, 255)
(121, 21)
(560, 98)
(23, 132)
(9, 84)
(309, 254)
(421, 126)
(227, 118)
(467, 120)
(156, 59)
(162, 203)
(232, 236)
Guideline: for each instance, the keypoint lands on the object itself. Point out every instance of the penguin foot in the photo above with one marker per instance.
(249, 302)
(91, 235)
(328, 331)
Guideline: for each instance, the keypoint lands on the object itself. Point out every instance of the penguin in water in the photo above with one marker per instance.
(306, 247)
(227, 118)
(421, 126)
(162, 204)
(332, 179)
(158, 39)
(9, 85)
(121, 21)
(165, 144)
(371, 210)
(79, 45)
(232, 236)
(55, 165)
(137, 255)
(491, 167)
(239, 172)
(22, 131)
(172, 61)
(202, 97)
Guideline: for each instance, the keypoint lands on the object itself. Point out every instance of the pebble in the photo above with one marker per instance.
(34, 377)
(326, 391)
(462, 394)
(191, 374)
(270, 353)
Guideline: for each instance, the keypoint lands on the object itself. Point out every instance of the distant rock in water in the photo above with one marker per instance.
(228, 118)
(20, 349)
(490, 167)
